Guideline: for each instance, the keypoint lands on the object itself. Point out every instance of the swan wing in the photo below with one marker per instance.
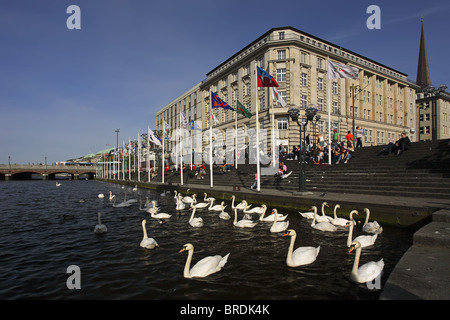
(305, 255)
(279, 226)
(208, 265)
(196, 222)
(307, 215)
(366, 240)
(325, 226)
(340, 222)
(245, 224)
(370, 270)
(149, 243)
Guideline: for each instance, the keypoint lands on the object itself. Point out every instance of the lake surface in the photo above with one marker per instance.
(44, 229)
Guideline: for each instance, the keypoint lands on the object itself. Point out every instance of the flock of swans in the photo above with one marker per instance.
(301, 256)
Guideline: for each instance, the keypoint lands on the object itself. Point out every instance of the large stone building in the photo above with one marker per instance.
(382, 101)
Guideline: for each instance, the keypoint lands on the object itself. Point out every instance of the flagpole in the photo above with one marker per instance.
(273, 136)
(162, 155)
(148, 154)
(329, 117)
(236, 141)
(258, 169)
(210, 141)
(129, 158)
(181, 151)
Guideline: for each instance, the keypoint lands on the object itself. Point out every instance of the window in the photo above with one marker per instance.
(335, 89)
(304, 100)
(281, 54)
(281, 75)
(304, 79)
(282, 123)
(320, 104)
(282, 95)
(320, 84)
(335, 107)
(304, 58)
(281, 35)
(320, 126)
(319, 63)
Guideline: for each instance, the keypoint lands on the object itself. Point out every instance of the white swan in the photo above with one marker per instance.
(240, 206)
(258, 210)
(135, 188)
(153, 209)
(364, 240)
(271, 217)
(204, 267)
(111, 196)
(58, 184)
(101, 195)
(340, 222)
(209, 198)
(120, 205)
(322, 226)
(371, 227)
(195, 222)
(130, 201)
(100, 228)
(302, 255)
(323, 217)
(189, 200)
(368, 271)
(217, 207)
(198, 205)
(155, 215)
(180, 204)
(242, 223)
(308, 215)
(148, 243)
(176, 194)
(224, 215)
(278, 226)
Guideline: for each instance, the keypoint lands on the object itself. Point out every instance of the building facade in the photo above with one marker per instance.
(381, 100)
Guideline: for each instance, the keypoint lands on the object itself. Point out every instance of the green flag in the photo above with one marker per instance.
(242, 110)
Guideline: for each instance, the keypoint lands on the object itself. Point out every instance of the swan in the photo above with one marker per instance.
(58, 184)
(195, 222)
(153, 209)
(371, 227)
(258, 210)
(340, 222)
(278, 226)
(198, 205)
(308, 215)
(100, 228)
(368, 271)
(323, 217)
(176, 194)
(146, 205)
(111, 196)
(270, 218)
(120, 205)
(189, 200)
(240, 206)
(364, 240)
(148, 243)
(135, 188)
(101, 195)
(208, 199)
(302, 255)
(323, 226)
(217, 207)
(130, 201)
(223, 215)
(204, 267)
(242, 223)
(180, 204)
(155, 215)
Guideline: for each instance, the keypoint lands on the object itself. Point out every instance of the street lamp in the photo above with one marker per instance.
(294, 113)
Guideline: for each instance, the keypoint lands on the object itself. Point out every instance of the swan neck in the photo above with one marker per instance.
(235, 215)
(192, 215)
(334, 212)
(350, 233)
(99, 219)
(289, 259)
(187, 266)
(144, 230)
(367, 217)
(356, 263)
(315, 215)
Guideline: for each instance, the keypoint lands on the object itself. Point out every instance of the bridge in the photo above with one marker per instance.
(47, 172)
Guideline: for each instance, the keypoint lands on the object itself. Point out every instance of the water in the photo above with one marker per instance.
(44, 229)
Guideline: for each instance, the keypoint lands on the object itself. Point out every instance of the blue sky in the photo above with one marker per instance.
(63, 93)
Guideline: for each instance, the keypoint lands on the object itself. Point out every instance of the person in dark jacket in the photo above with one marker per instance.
(400, 145)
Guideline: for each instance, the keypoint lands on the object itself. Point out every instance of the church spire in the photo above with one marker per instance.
(423, 71)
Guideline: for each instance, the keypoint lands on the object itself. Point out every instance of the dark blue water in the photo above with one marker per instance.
(44, 229)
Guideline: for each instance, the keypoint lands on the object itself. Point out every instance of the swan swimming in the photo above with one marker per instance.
(271, 217)
(322, 226)
(224, 215)
(180, 204)
(302, 255)
(195, 222)
(217, 207)
(101, 195)
(278, 226)
(371, 227)
(111, 196)
(240, 206)
(148, 243)
(364, 240)
(340, 222)
(244, 223)
(368, 271)
(205, 266)
(120, 205)
(100, 228)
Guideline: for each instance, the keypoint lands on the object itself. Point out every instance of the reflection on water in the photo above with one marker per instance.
(44, 229)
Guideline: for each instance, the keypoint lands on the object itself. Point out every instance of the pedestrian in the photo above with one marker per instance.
(349, 137)
(256, 181)
(335, 135)
(359, 135)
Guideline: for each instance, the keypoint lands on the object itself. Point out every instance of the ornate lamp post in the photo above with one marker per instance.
(294, 113)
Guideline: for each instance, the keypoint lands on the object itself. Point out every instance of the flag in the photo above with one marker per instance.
(166, 129)
(153, 138)
(265, 79)
(337, 70)
(242, 110)
(184, 121)
(276, 96)
(216, 102)
(195, 125)
(214, 118)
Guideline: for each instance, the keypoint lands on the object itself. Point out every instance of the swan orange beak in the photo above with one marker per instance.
(286, 234)
(182, 250)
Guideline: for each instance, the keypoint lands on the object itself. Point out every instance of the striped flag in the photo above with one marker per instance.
(337, 70)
